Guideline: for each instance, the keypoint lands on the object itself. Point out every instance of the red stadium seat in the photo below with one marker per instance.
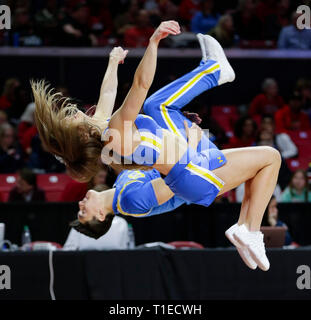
(302, 139)
(53, 184)
(226, 117)
(7, 182)
(299, 163)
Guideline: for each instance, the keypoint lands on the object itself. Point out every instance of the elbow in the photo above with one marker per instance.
(142, 83)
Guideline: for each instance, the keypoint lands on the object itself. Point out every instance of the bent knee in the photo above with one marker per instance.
(274, 155)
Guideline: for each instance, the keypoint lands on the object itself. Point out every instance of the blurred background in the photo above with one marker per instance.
(68, 42)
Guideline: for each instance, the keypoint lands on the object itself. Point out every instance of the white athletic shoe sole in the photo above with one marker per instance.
(244, 254)
(214, 51)
(202, 45)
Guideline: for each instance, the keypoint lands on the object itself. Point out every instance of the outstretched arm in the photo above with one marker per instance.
(143, 77)
(108, 91)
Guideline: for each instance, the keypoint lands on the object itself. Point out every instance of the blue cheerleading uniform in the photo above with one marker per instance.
(148, 151)
(191, 178)
(165, 105)
(134, 195)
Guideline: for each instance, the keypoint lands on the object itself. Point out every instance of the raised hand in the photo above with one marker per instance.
(164, 29)
(118, 54)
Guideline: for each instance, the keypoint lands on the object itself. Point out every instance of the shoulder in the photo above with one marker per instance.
(288, 29)
(283, 110)
(260, 97)
(198, 15)
(286, 195)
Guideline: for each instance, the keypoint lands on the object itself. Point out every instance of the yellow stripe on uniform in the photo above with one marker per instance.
(208, 175)
(182, 90)
(119, 199)
(152, 141)
(169, 121)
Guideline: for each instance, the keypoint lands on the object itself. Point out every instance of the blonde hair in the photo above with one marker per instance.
(78, 144)
(66, 139)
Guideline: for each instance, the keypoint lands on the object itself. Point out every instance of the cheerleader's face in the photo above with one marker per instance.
(92, 206)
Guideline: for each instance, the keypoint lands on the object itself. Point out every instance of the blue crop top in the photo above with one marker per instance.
(148, 151)
(135, 195)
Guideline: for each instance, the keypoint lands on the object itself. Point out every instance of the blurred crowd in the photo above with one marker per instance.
(129, 23)
(267, 120)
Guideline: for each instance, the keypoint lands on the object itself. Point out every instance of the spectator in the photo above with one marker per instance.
(246, 23)
(267, 102)
(26, 189)
(290, 117)
(8, 95)
(224, 31)
(26, 128)
(271, 219)
(127, 19)
(21, 100)
(138, 35)
(281, 141)
(293, 38)
(23, 29)
(41, 161)
(10, 154)
(101, 24)
(216, 133)
(303, 86)
(3, 118)
(47, 22)
(187, 10)
(168, 10)
(244, 133)
(274, 16)
(75, 31)
(206, 19)
(298, 190)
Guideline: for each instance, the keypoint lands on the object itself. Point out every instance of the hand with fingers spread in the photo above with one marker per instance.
(164, 29)
(118, 54)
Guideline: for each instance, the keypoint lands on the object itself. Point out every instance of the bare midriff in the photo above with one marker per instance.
(172, 150)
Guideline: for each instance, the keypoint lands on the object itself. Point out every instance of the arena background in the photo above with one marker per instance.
(34, 50)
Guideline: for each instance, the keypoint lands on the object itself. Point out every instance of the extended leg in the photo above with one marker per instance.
(258, 167)
(245, 203)
(164, 105)
(261, 165)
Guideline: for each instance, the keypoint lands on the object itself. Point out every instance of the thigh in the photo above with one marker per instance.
(242, 164)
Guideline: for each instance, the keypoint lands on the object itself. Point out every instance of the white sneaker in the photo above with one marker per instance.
(202, 45)
(214, 51)
(243, 252)
(253, 241)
